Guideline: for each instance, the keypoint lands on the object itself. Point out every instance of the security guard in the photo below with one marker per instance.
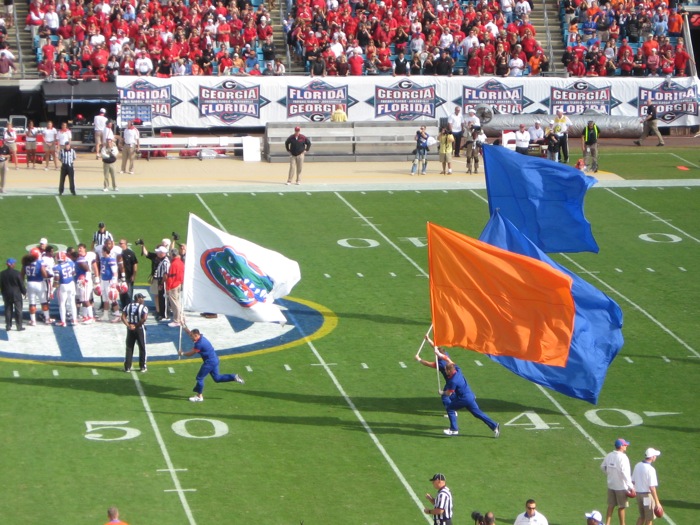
(589, 145)
(134, 316)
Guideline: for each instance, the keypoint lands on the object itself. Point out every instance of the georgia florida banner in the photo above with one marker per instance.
(220, 101)
(597, 336)
(497, 302)
(228, 275)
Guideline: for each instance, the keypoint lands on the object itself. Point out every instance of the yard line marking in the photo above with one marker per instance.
(329, 364)
(68, 221)
(629, 360)
(381, 234)
(288, 368)
(365, 425)
(248, 369)
(654, 414)
(402, 364)
(180, 490)
(639, 308)
(171, 470)
(55, 373)
(171, 370)
(15, 373)
(653, 215)
(95, 372)
(210, 212)
(666, 359)
(364, 365)
(164, 451)
(685, 160)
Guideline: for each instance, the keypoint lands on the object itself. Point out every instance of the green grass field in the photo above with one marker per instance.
(344, 428)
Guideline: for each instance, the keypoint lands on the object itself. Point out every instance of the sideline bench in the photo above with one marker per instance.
(248, 146)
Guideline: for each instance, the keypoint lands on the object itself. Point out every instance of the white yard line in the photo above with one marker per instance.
(164, 451)
(685, 160)
(652, 214)
(68, 221)
(221, 226)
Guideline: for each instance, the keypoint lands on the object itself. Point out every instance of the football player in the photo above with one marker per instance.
(108, 276)
(83, 273)
(35, 272)
(64, 280)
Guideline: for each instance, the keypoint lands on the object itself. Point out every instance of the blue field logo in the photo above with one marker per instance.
(236, 276)
(104, 343)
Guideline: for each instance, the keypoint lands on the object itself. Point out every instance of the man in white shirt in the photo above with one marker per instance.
(99, 125)
(456, 123)
(522, 140)
(536, 133)
(446, 39)
(516, 66)
(143, 65)
(472, 121)
(131, 138)
(645, 483)
(531, 516)
(616, 466)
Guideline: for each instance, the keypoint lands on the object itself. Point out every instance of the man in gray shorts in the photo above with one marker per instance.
(616, 466)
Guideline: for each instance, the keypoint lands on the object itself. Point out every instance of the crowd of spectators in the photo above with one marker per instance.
(393, 37)
(629, 38)
(351, 37)
(150, 38)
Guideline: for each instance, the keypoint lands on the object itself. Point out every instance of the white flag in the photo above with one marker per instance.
(228, 275)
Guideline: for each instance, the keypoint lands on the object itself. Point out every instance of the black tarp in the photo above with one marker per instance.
(93, 92)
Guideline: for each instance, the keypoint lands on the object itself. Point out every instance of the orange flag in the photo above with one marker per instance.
(497, 302)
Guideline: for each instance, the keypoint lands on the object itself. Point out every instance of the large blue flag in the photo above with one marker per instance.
(543, 199)
(597, 336)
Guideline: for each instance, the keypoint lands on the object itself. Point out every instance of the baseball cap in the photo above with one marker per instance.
(43, 241)
(165, 242)
(437, 477)
(472, 110)
(619, 442)
(297, 128)
(11, 261)
(650, 452)
(161, 249)
(595, 515)
(551, 123)
(103, 110)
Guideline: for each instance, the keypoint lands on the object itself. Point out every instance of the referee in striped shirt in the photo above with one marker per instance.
(67, 156)
(442, 502)
(134, 316)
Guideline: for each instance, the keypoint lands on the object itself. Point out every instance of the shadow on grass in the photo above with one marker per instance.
(117, 386)
(381, 319)
(677, 504)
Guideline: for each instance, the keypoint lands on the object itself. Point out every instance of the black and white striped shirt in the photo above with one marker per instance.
(135, 312)
(99, 238)
(162, 269)
(443, 501)
(67, 156)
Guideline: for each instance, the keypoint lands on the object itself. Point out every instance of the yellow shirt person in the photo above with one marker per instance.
(339, 114)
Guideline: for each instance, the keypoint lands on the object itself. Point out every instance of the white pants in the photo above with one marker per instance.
(66, 297)
(36, 292)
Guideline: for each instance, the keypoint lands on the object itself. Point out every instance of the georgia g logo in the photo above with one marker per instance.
(233, 273)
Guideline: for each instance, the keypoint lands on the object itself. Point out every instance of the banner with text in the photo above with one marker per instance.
(198, 102)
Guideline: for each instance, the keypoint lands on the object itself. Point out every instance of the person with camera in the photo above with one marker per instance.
(131, 267)
(531, 516)
(173, 286)
(421, 151)
(483, 519)
(446, 142)
(442, 502)
(155, 261)
(616, 466)
(108, 153)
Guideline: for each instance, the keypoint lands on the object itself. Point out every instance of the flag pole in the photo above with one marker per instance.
(427, 335)
(179, 343)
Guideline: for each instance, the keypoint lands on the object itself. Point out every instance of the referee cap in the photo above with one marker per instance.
(437, 477)
(101, 225)
(139, 296)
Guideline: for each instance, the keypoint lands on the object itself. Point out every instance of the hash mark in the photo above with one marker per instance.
(327, 275)
(629, 360)
(55, 373)
(666, 359)
(618, 270)
(95, 372)
(225, 194)
(248, 369)
(15, 374)
(360, 275)
(402, 364)
(288, 368)
(682, 269)
(171, 370)
(650, 270)
(392, 274)
(478, 363)
(364, 365)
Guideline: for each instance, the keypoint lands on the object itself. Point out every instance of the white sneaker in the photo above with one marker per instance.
(105, 189)
(239, 379)
(131, 173)
(449, 172)
(121, 172)
(196, 399)
(497, 431)
(116, 189)
(449, 432)
(173, 324)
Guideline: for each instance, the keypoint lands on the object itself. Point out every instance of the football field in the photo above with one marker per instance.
(337, 424)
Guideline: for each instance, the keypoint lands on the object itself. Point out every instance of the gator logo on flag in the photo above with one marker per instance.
(233, 273)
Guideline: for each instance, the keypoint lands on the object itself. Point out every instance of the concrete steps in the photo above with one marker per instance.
(25, 39)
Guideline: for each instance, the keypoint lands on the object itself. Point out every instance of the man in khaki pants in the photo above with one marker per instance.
(109, 153)
(297, 145)
(131, 138)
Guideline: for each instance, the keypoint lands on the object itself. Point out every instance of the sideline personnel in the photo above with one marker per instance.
(13, 290)
(651, 125)
(589, 146)
(297, 145)
(442, 502)
(616, 466)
